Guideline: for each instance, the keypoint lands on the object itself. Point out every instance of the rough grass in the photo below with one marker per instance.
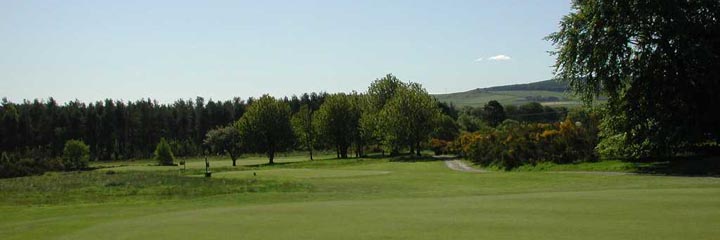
(296, 173)
(103, 187)
(413, 200)
(602, 166)
(198, 163)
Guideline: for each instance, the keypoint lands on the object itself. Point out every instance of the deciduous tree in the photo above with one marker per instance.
(225, 140)
(304, 128)
(265, 127)
(338, 122)
(658, 62)
(494, 113)
(409, 118)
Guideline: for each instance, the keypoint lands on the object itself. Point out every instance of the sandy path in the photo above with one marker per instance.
(595, 172)
(458, 165)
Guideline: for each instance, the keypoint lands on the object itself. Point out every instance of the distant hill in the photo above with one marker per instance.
(547, 85)
(549, 92)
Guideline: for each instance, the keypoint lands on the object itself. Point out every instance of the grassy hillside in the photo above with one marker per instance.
(547, 85)
(548, 92)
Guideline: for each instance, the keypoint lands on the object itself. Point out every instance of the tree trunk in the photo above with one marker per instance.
(271, 157)
(311, 157)
(232, 157)
(417, 148)
(343, 152)
(358, 151)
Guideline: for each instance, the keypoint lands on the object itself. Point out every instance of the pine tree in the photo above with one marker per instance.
(163, 154)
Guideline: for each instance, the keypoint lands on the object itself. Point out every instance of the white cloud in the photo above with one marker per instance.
(479, 60)
(500, 57)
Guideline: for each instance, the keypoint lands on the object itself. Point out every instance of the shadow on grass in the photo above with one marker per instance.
(277, 164)
(415, 158)
(688, 166)
(370, 158)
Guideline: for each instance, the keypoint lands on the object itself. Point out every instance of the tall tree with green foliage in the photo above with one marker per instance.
(361, 137)
(494, 113)
(470, 123)
(378, 95)
(10, 129)
(304, 128)
(225, 140)
(265, 127)
(163, 153)
(383, 89)
(409, 118)
(447, 129)
(658, 62)
(338, 122)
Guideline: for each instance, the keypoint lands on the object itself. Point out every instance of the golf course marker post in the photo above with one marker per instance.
(207, 168)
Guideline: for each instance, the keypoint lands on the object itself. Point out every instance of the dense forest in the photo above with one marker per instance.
(120, 130)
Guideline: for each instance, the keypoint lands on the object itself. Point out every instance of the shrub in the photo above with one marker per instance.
(17, 165)
(14, 167)
(75, 155)
(163, 154)
(440, 146)
(7, 166)
(612, 147)
(513, 144)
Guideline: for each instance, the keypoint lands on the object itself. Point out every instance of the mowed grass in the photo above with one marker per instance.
(375, 199)
(614, 214)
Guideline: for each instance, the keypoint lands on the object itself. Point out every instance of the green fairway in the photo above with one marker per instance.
(613, 214)
(360, 199)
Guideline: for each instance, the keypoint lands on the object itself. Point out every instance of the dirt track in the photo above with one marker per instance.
(458, 165)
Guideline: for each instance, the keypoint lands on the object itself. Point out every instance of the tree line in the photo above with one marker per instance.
(116, 130)
(391, 117)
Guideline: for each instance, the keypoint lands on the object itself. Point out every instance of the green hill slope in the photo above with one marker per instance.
(549, 92)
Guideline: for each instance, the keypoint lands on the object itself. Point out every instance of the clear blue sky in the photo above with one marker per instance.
(166, 50)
